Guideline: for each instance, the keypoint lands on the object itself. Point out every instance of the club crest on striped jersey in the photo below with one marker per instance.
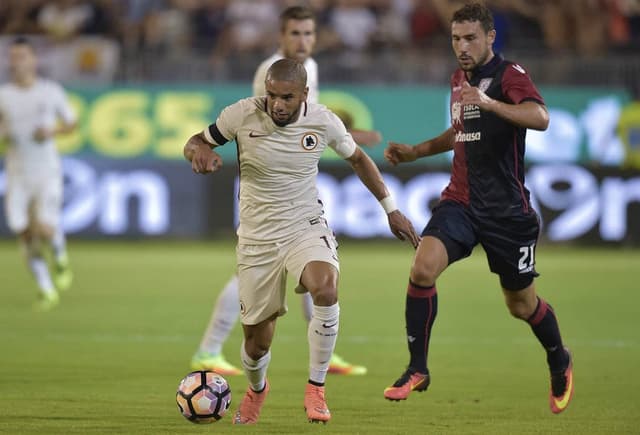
(309, 141)
(484, 84)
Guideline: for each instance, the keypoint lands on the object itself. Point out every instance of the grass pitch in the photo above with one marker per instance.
(109, 358)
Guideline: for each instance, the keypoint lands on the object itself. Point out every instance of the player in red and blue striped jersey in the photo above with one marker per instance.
(493, 103)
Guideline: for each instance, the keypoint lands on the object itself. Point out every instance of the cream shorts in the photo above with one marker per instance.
(32, 199)
(263, 270)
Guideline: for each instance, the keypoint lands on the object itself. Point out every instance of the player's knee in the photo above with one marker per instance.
(323, 288)
(25, 235)
(324, 291)
(520, 298)
(325, 295)
(44, 231)
(519, 309)
(424, 274)
(255, 347)
(32, 244)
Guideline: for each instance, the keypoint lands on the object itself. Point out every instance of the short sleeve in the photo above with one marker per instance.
(62, 105)
(339, 139)
(227, 125)
(258, 80)
(518, 87)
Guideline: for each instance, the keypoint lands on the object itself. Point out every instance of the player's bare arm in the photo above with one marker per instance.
(62, 128)
(370, 176)
(397, 153)
(528, 114)
(203, 159)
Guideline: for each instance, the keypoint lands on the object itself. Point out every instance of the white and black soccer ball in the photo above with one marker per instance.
(203, 397)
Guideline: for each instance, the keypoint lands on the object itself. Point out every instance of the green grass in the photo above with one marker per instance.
(109, 358)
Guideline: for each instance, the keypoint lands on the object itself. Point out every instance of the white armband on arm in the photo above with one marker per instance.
(388, 204)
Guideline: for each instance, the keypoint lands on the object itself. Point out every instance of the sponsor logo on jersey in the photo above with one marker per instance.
(309, 141)
(471, 111)
(467, 137)
(254, 134)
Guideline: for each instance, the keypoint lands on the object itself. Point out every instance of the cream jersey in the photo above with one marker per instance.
(310, 66)
(278, 165)
(22, 112)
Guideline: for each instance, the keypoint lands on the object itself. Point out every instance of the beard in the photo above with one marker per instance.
(482, 59)
(280, 122)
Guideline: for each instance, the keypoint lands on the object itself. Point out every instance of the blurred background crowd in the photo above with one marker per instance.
(367, 41)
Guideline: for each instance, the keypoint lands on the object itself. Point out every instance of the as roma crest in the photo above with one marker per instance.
(309, 141)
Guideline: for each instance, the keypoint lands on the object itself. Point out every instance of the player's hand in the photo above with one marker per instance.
(41, 134)
(472, 95)
(205, 160)
(399, 153)
(402, 228)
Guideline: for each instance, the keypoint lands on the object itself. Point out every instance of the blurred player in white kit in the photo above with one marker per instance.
(33, 110)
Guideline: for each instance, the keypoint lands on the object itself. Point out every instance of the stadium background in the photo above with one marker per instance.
(144, 75)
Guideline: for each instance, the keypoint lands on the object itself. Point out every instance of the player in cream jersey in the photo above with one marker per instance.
(280, 139)
(275, 202)
(297, 40)
(32, 111)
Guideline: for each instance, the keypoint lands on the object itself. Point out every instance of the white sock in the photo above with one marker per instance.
(31, 252)
(40, 271)
(322, 335)
(307, 306)
(223, 318)
(256, 370)
(59, 243)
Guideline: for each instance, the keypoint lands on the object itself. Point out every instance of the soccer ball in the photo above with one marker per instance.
(203, 397)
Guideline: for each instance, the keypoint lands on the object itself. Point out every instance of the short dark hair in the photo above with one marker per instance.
(288, 70)
(475, 12)
(296, 13)
(22, 40)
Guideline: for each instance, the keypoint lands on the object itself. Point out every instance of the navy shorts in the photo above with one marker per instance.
(510, 242)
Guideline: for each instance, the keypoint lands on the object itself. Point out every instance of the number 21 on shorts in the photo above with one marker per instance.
(527, 258)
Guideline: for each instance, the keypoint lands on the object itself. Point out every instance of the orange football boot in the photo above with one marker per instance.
(408, 382)
(249, 409)
(561, 387)
(315, 404)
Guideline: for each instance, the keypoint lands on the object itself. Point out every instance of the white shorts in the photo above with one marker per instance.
(263, 270)
(32, 199)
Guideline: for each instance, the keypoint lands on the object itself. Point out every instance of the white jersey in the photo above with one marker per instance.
(312, 77)
(22, 112)
(278, 165)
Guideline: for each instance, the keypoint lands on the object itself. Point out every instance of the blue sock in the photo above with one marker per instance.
(420, 313)
(544, 324)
